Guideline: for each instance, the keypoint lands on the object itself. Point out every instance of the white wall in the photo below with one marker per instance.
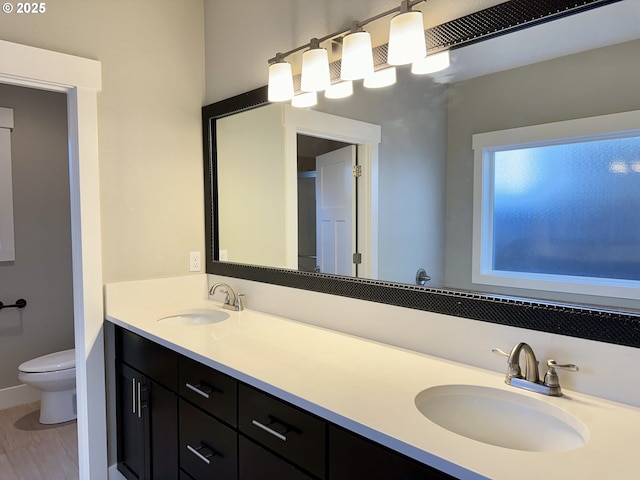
(152, 54)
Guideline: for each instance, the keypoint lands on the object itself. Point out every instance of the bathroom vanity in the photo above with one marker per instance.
(252, 394)
(179, 417)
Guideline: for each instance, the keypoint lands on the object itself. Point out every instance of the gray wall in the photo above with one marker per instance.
(41, 272)
(587, 84)
(413, 119)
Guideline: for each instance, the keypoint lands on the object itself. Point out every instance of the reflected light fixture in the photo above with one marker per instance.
(406, 45)
(406, 36)
(381, 78)
(431, 63)
(315, 68)
(339, 90)
(357, 54)
(280, 87)
(303, 100)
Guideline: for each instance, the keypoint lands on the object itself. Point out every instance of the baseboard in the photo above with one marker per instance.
(18, 395)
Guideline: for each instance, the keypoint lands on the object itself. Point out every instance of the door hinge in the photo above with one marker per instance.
(357, 258)
(357, 171)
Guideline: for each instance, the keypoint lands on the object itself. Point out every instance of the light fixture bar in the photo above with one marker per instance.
(408, 3)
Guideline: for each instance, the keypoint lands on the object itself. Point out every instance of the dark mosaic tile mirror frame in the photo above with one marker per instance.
(571, 320)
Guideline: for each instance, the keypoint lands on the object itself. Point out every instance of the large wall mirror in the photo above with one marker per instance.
(410, 205)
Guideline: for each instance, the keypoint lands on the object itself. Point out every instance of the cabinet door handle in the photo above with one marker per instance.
(199, 389)
(133, 391)
(210, 452)
(139, 402)
(269, 430)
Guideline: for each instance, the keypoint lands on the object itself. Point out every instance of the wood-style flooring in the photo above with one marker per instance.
(31, 451)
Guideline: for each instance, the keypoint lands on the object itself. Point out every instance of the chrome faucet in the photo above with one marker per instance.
(231, 301)
(531, 378)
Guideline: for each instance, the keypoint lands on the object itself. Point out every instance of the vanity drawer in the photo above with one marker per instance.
(257, 463)
(298, 436)
(211, 390)
(208, 448)
(150, 358)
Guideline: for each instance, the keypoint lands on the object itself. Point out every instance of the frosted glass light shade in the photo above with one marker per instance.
(381, 78)
(357, 56)
(406, 39)
(315, 70)
(431, 63)
(302, 100)
(339, 90)
(280, 87)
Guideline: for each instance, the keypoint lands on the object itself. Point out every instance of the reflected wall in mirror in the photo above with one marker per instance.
(422, 179)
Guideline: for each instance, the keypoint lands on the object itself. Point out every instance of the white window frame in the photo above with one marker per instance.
(485, 145)
(7, 241)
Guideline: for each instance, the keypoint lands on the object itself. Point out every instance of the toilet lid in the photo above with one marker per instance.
(50, 363)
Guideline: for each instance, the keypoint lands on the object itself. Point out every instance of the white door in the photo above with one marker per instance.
(335, 211)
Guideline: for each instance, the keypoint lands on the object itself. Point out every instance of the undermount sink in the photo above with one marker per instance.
(192, 318)
(502, 418)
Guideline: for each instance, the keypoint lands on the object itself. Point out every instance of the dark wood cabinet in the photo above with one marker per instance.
(352, 456)
(178, 418)
(146, 410)
(261, 464)
(294, 434)
(208, 448)
(133, 424)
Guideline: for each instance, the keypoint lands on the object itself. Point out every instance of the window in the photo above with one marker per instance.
(7, 250)
(557, 206)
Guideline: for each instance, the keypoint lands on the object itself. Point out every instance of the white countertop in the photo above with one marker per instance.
(370, 388)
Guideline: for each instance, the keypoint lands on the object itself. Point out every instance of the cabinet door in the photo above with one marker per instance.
(147, 417)
(133, 424)
(352, 456)
(162, 405)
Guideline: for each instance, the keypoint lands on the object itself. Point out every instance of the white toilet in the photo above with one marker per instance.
(55, 376)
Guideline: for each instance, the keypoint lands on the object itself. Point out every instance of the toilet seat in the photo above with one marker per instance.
(52, 362)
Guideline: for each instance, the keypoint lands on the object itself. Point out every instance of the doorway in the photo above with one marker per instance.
(80, 80)
(327, 207)
(335, 132)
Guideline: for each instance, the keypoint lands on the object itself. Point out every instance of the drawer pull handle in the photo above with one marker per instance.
(269, 430)
(207, 452)
(201, 390)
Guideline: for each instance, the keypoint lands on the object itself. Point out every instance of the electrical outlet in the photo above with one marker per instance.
(194, 262)
(223, 255)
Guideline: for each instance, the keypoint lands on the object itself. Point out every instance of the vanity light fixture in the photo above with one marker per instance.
(315, 68)
(431, 63)
(340, 90)
(357, 54)
(381, 78)
(280, 87)
(406, 36)
(304, 100)
(407, 45)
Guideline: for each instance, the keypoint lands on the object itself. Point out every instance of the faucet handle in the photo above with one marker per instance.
(551, 363)
(514, 368)
(239, 305)
(551, 377)
(502, 353)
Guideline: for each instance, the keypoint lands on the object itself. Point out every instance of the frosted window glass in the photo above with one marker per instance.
(570, 209)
